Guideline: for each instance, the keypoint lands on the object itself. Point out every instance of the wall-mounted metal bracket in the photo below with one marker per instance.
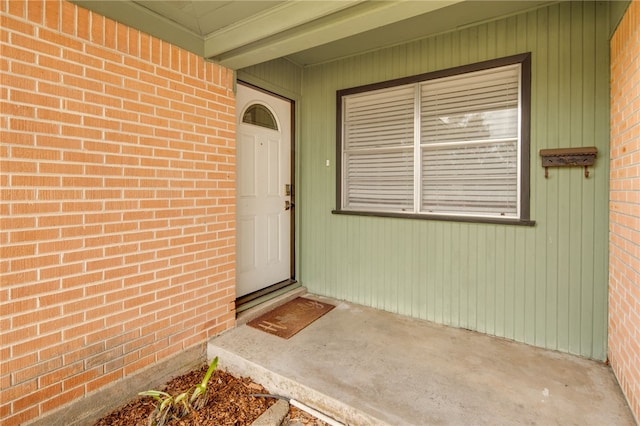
(561, 157)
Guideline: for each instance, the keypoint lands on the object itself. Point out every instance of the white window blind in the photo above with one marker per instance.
(379, 150)
(469, 142)
(474, 178)
(442, 146)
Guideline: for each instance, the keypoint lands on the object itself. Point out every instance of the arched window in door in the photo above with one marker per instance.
(259, 115)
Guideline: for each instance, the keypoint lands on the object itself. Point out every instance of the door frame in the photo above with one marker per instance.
(265, 292)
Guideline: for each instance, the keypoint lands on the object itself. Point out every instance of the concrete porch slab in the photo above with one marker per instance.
(364, 366)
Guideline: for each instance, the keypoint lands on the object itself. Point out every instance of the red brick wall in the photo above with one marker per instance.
(117, 205)
(624, 244)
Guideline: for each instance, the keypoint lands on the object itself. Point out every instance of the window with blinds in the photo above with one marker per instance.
(451, 144)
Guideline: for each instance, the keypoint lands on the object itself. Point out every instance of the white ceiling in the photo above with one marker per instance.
(241, 33)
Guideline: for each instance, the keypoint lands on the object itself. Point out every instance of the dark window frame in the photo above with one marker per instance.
(524, 60)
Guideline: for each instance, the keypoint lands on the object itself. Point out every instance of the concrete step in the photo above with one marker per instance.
(279, 384)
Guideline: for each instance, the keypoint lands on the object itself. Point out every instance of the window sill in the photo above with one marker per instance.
(477, 219)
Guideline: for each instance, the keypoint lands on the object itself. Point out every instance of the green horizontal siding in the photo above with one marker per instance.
(544, 285)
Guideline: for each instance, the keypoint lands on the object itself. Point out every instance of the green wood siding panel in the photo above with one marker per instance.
(544, 285)
(279, 76)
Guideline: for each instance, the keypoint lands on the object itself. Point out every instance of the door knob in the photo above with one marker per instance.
(288, 205)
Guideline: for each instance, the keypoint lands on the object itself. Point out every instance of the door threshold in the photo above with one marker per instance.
(257, 297)
(262, 307)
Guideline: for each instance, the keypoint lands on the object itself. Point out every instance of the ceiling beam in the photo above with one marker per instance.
(273, 21)
(356, 19)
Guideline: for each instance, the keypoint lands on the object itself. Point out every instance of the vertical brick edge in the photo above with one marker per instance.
(624, 208)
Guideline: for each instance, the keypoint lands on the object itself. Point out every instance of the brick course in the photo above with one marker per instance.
(117, 227)
(624, 242)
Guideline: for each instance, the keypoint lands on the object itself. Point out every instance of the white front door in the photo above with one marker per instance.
(263, 192)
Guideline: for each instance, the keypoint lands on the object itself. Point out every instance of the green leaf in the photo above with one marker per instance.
(196, 392)
(166, 404)
(201, 388)
(207, 376)
(180, 397)
(159, 395)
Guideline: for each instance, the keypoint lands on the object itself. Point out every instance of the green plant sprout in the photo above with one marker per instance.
(199, 396)
(178, 406)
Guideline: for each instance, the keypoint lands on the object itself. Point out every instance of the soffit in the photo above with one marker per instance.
(241, 33)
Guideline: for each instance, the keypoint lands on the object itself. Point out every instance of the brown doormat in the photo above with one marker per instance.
(288, 319)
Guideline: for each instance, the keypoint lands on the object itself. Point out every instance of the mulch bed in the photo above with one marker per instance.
(229, 403)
